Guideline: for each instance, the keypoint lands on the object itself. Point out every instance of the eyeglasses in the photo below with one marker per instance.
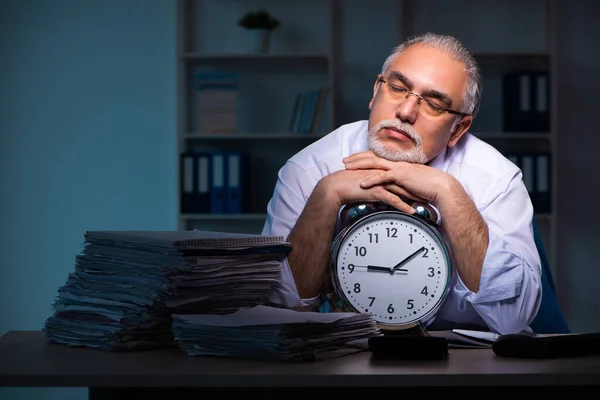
(397, 92)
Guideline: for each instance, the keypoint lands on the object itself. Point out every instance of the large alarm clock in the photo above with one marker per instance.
(391, 264)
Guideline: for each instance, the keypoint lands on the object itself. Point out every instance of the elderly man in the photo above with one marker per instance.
(416, 145)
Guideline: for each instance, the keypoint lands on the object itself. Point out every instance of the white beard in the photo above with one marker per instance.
(415, 155)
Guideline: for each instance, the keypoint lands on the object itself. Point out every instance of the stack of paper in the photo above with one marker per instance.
(127, 284)
(264, 332)
(223, 284)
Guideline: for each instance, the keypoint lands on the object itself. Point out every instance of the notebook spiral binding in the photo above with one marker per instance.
(229, 241)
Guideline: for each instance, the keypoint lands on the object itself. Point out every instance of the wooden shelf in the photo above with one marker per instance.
(262, 216)
(512, 135)
(543, 216)
(251, 56)
(492, 54)
(511, 61)
(313, 136)
(251, 136)
(214, 217)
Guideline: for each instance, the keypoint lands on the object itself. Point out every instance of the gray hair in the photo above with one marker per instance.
(455, 49)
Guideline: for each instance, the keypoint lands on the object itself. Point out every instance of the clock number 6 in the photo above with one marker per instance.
(390, 309)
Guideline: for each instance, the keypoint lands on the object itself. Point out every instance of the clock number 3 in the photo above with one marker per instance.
(431, 270)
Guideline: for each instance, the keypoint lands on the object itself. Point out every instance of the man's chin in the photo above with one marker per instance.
(411, 156)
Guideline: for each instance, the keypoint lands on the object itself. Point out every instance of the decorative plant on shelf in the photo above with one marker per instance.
(260, 23)
(260, 19)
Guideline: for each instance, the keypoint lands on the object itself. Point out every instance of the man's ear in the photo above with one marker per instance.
(376, 87)
(459, 130)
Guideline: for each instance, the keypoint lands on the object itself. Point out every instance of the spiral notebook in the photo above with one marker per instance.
(188, 239)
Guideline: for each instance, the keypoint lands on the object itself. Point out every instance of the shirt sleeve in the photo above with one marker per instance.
(510, 288)
(292, 190)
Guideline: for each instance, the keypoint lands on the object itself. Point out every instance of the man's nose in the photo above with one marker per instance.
(408, 109)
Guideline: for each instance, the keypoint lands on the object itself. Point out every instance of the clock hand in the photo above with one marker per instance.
(352, 267)
(383, 269)
(407, 259)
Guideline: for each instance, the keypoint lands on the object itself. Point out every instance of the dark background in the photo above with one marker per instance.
(89, 121)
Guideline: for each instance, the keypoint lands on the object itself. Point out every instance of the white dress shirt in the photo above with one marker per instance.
(510, 287)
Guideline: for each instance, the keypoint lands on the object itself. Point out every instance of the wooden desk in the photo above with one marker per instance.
(26, 359)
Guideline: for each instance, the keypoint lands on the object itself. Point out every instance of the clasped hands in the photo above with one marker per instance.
(368, 177)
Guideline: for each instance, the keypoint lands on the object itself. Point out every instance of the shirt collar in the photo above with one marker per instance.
(441, 161)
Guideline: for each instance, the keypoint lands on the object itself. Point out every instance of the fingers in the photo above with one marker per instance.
(393, 200)
(403, 193)
(377, 178)
(366, 160)
(358, 156)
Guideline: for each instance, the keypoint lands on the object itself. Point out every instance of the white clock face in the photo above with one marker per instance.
(367, 255)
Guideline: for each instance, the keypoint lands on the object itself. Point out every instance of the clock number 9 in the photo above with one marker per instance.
(351, 268)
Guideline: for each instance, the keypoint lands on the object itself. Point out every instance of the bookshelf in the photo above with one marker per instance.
(505, 37)
(306, 52)
(303, 56)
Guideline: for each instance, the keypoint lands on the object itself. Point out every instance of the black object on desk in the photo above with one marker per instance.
(555, 346)
(409, 347)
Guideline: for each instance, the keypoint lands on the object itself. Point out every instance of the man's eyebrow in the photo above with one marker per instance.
(426, 93)
(402, 78)
(438, 95)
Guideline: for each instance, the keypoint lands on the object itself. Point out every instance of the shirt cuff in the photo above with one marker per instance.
(286, 294)
(502, 275)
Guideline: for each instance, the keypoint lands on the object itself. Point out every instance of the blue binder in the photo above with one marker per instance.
(217, 190)
(236, 189)
(203, 179)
